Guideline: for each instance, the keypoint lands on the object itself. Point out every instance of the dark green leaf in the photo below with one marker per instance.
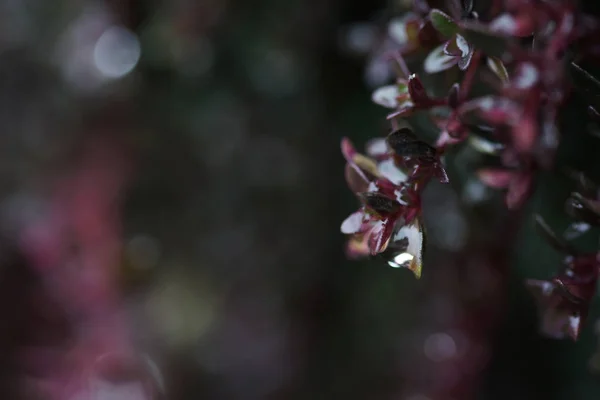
(379, 203)
(406, 144)
(443, 23)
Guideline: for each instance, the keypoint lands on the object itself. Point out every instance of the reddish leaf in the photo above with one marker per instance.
(518, 190)
(379, 236)
(496, 178)
(417, 91)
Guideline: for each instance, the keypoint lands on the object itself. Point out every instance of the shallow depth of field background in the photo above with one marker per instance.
(212, 129)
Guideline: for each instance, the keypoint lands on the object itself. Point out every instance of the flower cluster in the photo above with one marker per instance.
(522, 52)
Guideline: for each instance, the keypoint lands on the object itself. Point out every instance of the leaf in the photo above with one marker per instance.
(587, 84)
(408, 245)
(386, 96)
(496, 178)
(498, 68)
(417, 91)
(453, 95)
(583, 209)
(379, 236)
(397, 31)
(405, 144)
(443, 23)
(390, 171)
(437, 61)
(464, 62)
(485, 146)
(550, 237)
(377, 147)
(519, 190)
(353, 223)
(358, 246)
(379, 203)
(356, 179)
(489, 43)
(468, 6)
(584, 184)
(526, 76)
(506, 24)
(576, 229)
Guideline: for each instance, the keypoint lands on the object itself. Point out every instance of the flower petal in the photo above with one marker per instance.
(437, 61)
(353, 223)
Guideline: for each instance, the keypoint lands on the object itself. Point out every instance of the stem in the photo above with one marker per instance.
(469, 76)
(403, 67)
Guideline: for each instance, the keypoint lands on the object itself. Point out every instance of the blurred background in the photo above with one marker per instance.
(171, 191)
